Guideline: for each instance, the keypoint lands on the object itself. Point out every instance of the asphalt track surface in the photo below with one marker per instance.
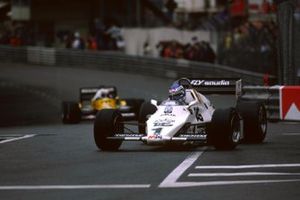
(41, 160)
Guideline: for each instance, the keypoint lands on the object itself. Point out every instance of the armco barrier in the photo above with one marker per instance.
(282, 102)
(116, 61)
(268, 95)
(41, 55)
(279, 105)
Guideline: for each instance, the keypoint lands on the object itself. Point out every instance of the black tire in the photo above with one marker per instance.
(224, 130)
(255, 120)
(71, 113)
(146, 109)
(107, 124)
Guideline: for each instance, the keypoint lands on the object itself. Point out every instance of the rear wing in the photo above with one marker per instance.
(217, 85)
(86, 94)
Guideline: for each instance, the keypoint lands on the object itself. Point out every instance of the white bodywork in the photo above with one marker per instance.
(173, 117)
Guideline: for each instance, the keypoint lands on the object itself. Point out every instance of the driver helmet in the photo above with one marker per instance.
(177, 92)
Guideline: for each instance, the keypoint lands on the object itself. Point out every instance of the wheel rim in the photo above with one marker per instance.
(236, 133)
(262, 119)
(118, 127)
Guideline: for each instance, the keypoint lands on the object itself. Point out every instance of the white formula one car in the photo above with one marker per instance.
(192, 119)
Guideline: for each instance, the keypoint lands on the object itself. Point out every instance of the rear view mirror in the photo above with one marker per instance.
(154, 102)
(192, 103)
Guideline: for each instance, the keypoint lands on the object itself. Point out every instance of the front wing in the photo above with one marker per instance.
(142, 137)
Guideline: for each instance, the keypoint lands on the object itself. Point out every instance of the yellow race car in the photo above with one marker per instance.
(94, 99)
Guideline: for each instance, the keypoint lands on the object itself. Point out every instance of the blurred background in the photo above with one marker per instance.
(227, 32)
(256, 40)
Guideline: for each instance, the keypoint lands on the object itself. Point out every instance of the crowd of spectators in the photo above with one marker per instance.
(195, 51)
(99, 38)
(256, 35)
(255, 41)
(16, 34)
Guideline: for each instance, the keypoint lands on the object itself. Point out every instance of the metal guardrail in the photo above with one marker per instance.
(116, 61)
(166, 68)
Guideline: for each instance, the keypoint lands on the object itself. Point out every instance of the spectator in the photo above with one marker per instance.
(197, 51)
(167, 51)
(68, 39)
(255, 46)
(266, 7)
(147, 51)
(92, 43)
(116, 41)
(228, 41)
(15, 40)
(78, 42)
(100, 34)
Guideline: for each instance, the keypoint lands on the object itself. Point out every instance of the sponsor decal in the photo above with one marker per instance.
(193, 136)
(168, 115)
(290, 103)
(129, 135)
(164, 122)
(89, 90)
(210, 83)
(156, 131)
(156, 134)
(153, 137)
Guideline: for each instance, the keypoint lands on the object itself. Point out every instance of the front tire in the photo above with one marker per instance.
(224, 130)
(107, 124)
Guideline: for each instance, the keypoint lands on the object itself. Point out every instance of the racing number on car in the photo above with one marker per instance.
(168, 109)
(156, 131)
(198, 115)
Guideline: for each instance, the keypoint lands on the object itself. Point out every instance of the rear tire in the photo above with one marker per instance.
(255, 120)
(146, 110)
(107, 124)
(71, 113)
(224, 130)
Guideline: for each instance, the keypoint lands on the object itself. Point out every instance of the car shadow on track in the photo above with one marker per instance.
(145, 148)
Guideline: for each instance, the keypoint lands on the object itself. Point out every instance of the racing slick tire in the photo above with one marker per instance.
(106, 124)
(147, 109)
(71, 113)
(254, 116)
(224, 130)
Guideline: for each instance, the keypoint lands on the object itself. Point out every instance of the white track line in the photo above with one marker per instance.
(73, 187)
(219, 183)
(171, 179)
(247, 166)
(242, 174)
(15, 139)
(291, 134)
